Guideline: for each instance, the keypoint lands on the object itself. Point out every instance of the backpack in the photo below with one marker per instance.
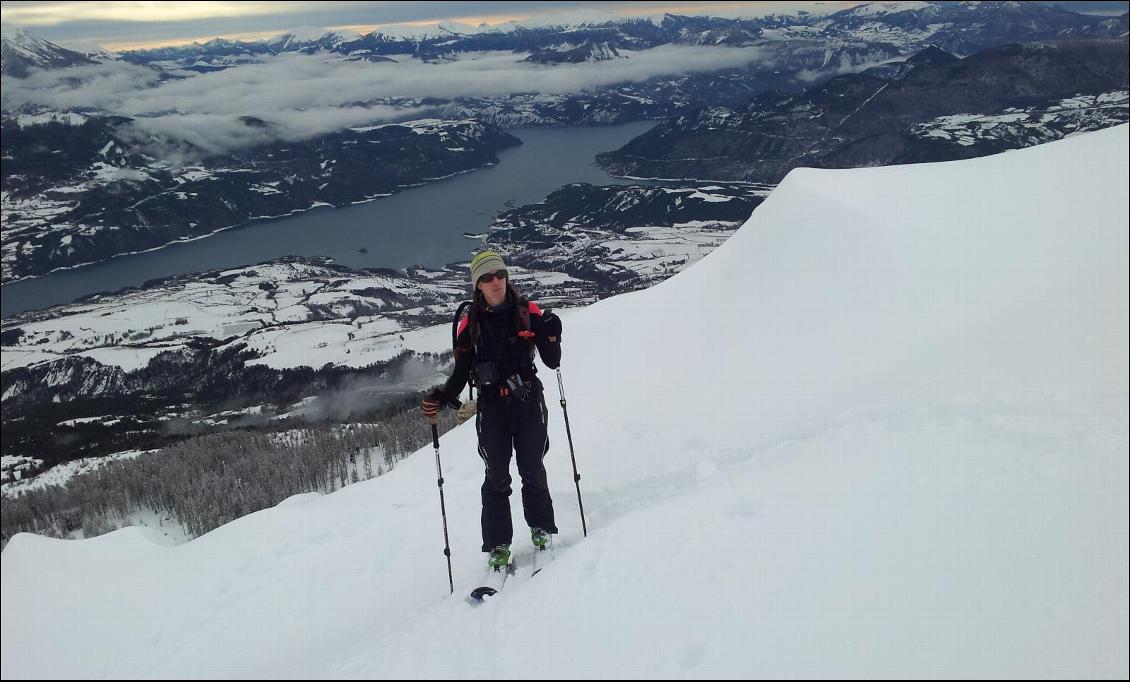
(522, 323)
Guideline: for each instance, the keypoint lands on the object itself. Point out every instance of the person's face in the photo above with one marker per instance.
(493, 286)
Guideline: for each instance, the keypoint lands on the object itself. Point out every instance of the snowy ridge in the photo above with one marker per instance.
(877, 8)
(880, 432)
(305, 35)
(21, 51)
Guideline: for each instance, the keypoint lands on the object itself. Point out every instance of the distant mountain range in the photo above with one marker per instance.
(961, 28)
(1002, 98)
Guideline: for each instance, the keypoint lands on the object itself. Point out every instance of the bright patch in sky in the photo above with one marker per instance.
(53, 13)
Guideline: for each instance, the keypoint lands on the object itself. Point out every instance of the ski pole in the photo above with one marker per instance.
(442, 506)
(572, 456)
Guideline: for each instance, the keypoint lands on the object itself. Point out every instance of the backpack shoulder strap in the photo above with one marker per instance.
(524, 318)
(459, 323)
(525, 331)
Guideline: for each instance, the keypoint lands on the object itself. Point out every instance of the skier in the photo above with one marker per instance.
(495, 344)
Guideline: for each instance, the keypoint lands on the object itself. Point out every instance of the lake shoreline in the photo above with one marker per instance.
(424, 226)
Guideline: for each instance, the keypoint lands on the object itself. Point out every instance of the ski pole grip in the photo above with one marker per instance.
(435, 435)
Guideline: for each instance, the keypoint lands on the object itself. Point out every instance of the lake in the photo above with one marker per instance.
(418, 226)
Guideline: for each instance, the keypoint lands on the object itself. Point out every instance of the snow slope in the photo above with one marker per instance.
(881, 432)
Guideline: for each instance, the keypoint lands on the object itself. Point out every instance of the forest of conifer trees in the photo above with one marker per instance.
(206, 481)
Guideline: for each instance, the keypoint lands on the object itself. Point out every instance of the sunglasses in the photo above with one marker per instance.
(491, 276)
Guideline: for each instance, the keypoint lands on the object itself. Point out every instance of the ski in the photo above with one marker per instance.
(530, 565)
(542, 557)
(495, 581)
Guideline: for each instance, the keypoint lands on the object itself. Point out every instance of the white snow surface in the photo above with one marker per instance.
(881, 432)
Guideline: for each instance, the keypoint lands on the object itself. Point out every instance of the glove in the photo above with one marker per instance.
(551, 326)
(430, 405)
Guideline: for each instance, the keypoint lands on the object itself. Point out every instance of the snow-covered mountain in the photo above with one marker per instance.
(219, 54)
(895, 113)
(310, 38)
(880, 432)
(20, 51)
(587, 51)
(967, 27)
(92, 51)
(959, 27)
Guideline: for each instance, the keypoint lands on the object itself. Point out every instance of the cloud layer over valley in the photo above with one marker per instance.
(301, 96)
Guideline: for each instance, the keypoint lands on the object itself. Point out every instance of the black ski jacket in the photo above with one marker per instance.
(500, 341)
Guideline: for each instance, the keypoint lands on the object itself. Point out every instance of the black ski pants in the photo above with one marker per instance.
(505, 425)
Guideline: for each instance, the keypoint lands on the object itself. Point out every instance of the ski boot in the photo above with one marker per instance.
(540, 538)
(499, 558)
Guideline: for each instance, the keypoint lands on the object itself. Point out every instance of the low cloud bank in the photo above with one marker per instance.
(301, 96)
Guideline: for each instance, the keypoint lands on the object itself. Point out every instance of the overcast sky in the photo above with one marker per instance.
(132, 25)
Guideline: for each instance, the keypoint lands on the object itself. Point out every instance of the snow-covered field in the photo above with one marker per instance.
(881, 432)
(1030, 125)
(304, 314)
(258, 304)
